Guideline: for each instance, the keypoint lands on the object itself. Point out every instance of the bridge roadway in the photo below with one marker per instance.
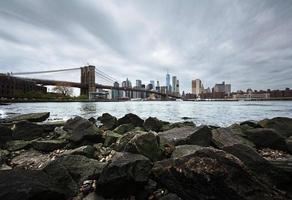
(99, 86)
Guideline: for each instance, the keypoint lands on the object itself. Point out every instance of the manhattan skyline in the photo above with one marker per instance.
(245, 43)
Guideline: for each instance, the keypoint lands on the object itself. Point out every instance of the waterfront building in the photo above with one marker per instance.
(127, 84)
(197, 87)
(222, 88)
(138, 83)
(177, 87)
(153, 83)
(116, 93)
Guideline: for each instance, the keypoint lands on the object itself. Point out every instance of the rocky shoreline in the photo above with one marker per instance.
(136, 159)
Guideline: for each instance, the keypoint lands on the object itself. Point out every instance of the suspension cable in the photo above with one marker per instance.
(45, 72)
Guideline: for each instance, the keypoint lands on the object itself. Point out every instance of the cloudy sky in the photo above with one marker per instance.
(246, 43)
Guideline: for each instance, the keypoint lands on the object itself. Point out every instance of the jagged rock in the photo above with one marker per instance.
(124, 140)
(30, 159)
(92, 120)
(264, 137)
(32, 117)
(167, 126)
(260, 167)
(109, 122)
(3, 156)
(126, 174)
(93, 196)
(124, 128)
(80, 129)
(289, 144)
(28, 185)
(187, 135)
(184, 150)
(240, 129)
(211, 174)
(153, 124)
(51, 125)
(80, 167)
(87, 151)
(282, 125)
(48, 145)
(223, 137)
(131, 119)
(4, 166)
(110, 137)
(25, 130)
(251, 123)
(147, 144)
(5, 134)
(15, 145)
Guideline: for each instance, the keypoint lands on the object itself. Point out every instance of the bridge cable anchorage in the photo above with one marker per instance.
(104, 77)
(112, 78)
(45, 72)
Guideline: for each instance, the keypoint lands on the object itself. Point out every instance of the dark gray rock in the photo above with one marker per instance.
(153, 124)
(50, 126)
(170, 196)
(5, 134)
(87, 151)
(82, 129)
(184, 150)
(32, 117)
(28, 185)
(266, 138)
(30, 159)
(289, 144)
(187, 135)
(147, 144)
(125, 175)
(110, 137)
(168, 126)
(4, 154)
(211, 174)
(131, 119)
(25, 130)
(80, 167)
(282, 125)
(251, 123)
(223, 137)
(109, 122)
(48, 145)
(124, 128)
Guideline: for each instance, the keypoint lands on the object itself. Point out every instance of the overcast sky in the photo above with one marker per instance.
(247, 43)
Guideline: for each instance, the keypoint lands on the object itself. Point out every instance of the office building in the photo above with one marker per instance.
(168, 86)
(174, 83)
(222, 88)
(197, 86)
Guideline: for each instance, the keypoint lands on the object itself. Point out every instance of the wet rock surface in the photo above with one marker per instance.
(132, 158)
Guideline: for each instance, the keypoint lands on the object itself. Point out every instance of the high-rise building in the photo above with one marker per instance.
(127, 84)
(174, 83)
(116, 93)
(157, 86)
(222, 88)
(196, 86)
(153, 83)
(177, 87)
(168, 86)
(138, 83)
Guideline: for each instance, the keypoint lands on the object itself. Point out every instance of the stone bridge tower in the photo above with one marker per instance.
(88, 79)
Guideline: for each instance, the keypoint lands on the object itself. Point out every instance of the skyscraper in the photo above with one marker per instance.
(196, 86)
(174, 83)
(127, 84)
(177, 87)
(116, 93)
(168, 86)
(153, 83)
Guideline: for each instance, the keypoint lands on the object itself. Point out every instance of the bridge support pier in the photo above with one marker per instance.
(88, 79)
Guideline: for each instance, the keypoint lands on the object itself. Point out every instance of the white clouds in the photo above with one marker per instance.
(211, 40)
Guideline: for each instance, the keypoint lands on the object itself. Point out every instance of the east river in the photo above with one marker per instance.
(212, 113)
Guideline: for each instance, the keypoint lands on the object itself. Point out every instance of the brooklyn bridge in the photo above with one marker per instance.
(87, 84)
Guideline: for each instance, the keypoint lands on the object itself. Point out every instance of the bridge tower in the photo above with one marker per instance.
(88, 79)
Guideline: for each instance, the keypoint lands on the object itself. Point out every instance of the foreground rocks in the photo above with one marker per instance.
(137, 159)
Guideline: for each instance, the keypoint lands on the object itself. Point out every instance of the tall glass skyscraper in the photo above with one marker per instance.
(168, 86)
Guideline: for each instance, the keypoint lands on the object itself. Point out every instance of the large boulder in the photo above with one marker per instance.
(147, 144)
(30, 159)
(261, 167)
(153, 124)
(15, 145)
(222, 137)
(28, 185)
(32, 117)
(167, 126)
(251, 123)
(131, 119)
(79, 167)
(187, 135)
(87, 150)
(109, 122)
(184, 150)
(211, 174)
(25, 130)
(126, 174)
(110, 137)
(266, 138)
(81, 129)
(282, 125)
(4, 154)
(48, 145)
(5, 134)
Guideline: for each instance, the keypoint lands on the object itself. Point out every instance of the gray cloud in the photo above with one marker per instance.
(246, 43)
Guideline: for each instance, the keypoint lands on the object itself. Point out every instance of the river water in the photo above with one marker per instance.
(212, 113)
